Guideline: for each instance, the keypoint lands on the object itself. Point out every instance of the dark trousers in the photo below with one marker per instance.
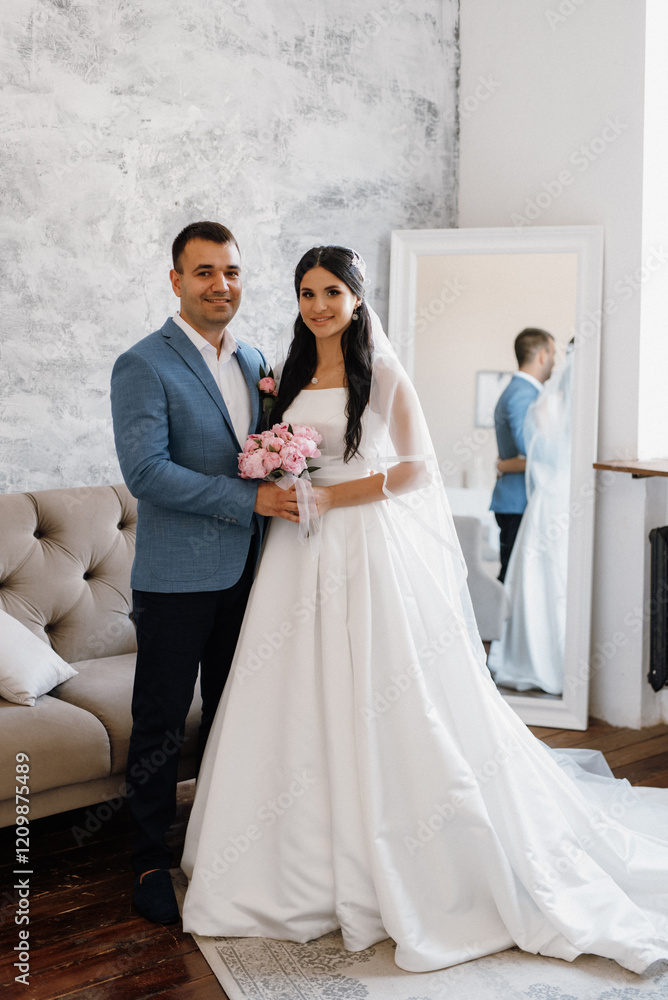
(176, 634)
(509, 525)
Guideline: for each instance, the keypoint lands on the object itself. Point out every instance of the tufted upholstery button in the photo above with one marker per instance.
(120, 525)
(37, 533)
(87, 575)
(47, 627)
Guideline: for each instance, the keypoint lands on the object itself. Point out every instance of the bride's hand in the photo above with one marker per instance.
(323, 498)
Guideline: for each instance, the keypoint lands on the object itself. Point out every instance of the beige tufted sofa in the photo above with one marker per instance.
(65, 559)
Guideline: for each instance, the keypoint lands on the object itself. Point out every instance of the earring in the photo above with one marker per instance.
(356, 315)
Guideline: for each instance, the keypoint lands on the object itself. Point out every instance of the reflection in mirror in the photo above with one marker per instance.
(463, 296)
(469, 310)
(531, 651)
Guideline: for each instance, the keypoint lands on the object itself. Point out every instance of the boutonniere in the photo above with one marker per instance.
(267, 389)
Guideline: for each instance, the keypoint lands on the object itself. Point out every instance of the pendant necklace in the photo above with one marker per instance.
(315, 379)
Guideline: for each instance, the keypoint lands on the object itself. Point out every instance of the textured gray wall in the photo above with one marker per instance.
(296, 123)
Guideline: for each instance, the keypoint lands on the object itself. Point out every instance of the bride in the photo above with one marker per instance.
(363, 772)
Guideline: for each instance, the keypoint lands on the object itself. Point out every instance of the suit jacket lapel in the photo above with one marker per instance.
(252, 378)
(177, 339)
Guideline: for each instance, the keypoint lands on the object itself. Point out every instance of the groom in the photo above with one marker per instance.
(183, 401)
(534, 350)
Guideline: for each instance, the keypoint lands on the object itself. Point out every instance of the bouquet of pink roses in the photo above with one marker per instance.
(283, 450)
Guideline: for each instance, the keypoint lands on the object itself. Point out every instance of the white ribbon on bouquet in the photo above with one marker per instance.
(309, 519)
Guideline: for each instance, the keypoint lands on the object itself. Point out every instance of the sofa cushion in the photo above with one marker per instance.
(29, 667)
(104, 688)
(65, 745)
(65, 567)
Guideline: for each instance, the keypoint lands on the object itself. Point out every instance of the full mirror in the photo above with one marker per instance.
(458, 299)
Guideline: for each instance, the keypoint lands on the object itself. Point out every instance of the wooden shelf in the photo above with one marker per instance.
(639, 470)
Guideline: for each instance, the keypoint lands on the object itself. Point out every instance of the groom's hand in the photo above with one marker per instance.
(272, 501)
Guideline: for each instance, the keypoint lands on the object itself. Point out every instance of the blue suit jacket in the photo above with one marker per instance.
(510, 495)
(178, 454)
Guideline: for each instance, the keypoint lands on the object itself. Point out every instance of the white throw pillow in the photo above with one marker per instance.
(28, 666)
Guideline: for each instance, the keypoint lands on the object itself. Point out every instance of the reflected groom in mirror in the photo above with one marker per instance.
(534, 350)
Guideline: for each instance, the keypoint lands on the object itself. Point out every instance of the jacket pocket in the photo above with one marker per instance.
(184, 546)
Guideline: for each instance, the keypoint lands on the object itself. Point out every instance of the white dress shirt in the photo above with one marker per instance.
(227, 374)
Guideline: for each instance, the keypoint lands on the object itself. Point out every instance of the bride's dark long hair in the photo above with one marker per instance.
(356, 344)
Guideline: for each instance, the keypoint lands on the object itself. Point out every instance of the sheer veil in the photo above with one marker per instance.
(547, 431)
(396, 442)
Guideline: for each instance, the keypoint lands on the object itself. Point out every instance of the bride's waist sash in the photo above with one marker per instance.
(339, 472)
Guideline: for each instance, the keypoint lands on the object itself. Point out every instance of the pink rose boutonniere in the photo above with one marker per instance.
(268, 389)
(282, 451)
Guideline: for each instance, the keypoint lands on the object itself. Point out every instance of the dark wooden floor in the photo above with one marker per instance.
(86, 943)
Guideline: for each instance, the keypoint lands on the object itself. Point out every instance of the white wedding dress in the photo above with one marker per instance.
(360, 775)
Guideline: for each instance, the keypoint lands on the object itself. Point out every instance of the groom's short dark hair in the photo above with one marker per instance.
(212, 231)
(529, 342)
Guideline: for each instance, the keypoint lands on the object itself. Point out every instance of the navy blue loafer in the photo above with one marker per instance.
(154, 897)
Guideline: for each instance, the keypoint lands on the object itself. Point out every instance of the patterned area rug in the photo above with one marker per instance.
(264, 969)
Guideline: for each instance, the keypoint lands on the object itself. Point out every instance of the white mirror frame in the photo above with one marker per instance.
(570, 711)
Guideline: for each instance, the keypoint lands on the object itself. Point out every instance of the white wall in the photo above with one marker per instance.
(552, 95)
(470, 308)
(294, 123)
(653, 274)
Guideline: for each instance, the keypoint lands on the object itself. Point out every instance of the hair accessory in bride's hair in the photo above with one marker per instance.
(358, 262)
